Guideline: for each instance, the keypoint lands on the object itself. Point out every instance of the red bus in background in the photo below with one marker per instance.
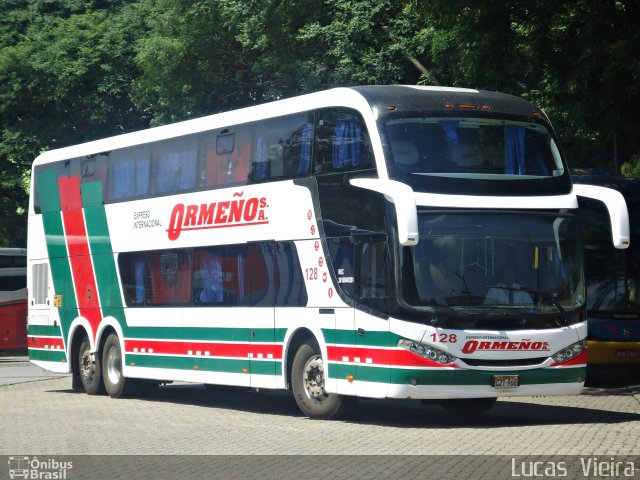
(13, 298)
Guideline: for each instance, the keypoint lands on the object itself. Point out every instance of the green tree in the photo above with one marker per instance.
(579, 60)
(65, 77)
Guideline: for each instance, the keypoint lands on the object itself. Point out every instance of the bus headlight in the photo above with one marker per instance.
(570, 352)
(426, 351)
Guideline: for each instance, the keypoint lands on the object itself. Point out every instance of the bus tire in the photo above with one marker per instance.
(89, 369)
(307, 383)
(468, 407)
(115, 383)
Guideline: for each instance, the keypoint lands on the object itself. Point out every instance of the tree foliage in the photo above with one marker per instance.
(77, 70)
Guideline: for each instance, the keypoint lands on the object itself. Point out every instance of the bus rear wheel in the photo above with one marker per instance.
(307, 383)
(89, 369)
(114, 381)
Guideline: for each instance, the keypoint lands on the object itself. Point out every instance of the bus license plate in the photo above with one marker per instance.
(505, 381)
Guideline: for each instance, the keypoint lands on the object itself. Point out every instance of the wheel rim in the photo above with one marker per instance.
(87, 365)
(113, 365)
(313, 378)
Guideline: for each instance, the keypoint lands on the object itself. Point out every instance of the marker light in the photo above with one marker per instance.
(426, 351)
(570, 352)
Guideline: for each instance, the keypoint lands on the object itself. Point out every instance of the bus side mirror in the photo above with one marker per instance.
(404, 201)
(616, 207)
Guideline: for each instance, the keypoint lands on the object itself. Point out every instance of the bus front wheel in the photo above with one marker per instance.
(89, 369)
(307, 383)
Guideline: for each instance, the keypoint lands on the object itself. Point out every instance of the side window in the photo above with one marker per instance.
(282, 147)
(372, 270)
(132, 276)
(225, 157)
(175, 165)
(169, 279)
(39, 283)
(342, 142)
(259, 278)
(128, 173)
(289, 287)
(94, 169)
(341, 250)
(219, 276)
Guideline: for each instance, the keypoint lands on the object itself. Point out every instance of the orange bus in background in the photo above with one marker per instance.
(13, 298)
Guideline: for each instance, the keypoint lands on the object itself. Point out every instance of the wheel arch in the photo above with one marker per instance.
(108, 326)
(300, 336)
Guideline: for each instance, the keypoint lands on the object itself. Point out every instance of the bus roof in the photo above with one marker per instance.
(376, 98)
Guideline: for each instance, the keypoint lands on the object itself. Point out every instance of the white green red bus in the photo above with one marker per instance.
(345, 243)
(613, 278)
(13, 299)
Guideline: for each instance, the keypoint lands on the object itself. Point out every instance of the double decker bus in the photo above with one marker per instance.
(613, 279)
(381, 241)
(13, 299)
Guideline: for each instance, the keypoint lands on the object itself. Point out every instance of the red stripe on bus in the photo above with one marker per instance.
(376, 356)
(238, 350)
(55, 343)
(84, 279)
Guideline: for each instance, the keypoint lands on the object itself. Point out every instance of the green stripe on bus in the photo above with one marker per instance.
(44, 331)
(102, 252)
(96, 220)
(262, 335)
(48, 190)
(48, 355)
(224, 365)
(56, 247)
(369, 339)
(456, 377)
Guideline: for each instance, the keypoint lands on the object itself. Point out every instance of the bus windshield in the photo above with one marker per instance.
(494, 263)
(481, 148)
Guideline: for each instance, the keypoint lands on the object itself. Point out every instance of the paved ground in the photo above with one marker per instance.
(17, 369)
(46, 417)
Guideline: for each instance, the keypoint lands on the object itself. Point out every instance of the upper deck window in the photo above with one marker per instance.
(342, 142)
(472, 148)
(478, 149)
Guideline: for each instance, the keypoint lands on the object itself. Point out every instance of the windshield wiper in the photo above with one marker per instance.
(554, 303)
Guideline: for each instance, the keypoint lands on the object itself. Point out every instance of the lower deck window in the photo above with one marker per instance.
(257, 274)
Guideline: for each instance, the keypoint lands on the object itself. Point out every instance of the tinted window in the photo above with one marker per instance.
(175, 165)
(282, 147)
(342, 142)
(256, 274)
(226, 156)
(169, 278)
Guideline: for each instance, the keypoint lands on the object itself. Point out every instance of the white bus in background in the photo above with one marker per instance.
(381, 241)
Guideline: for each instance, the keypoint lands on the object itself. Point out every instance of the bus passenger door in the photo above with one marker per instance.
(371, 323)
